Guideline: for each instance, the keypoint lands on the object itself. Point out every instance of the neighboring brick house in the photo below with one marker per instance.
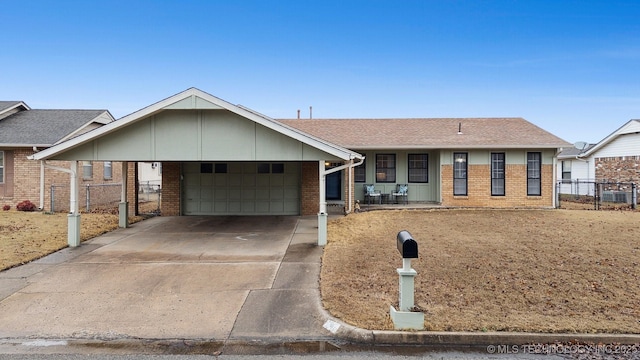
(223, 159)
(615, 159)
(24, 131)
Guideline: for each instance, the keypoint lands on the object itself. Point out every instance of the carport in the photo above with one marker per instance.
(218, 159)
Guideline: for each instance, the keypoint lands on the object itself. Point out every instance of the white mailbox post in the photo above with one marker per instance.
(405, 318)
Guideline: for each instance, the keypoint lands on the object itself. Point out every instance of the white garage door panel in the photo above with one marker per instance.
(241, 190)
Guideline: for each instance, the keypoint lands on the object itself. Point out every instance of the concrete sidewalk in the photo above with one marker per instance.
(210, 280)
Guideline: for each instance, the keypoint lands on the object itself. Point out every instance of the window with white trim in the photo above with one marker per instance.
(87, 170)
(108, 172)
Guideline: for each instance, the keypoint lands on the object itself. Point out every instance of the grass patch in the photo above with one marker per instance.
(490, 270)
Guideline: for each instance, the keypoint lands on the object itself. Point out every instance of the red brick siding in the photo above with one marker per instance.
(479, 188)
(170, 205)
(618, 169)
(26, 183)
(309, 193)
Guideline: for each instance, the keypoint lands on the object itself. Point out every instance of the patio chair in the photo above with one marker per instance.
(371, 192)
(402, 190)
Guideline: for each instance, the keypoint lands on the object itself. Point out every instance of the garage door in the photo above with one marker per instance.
(242, 188)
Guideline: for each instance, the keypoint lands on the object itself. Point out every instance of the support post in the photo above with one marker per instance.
(123, 206)
(322, 214)
(73, 223)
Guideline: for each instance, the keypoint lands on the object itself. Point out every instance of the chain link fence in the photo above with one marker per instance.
(596, 194)
(92, 197)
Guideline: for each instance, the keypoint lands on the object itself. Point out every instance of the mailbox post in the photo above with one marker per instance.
(405, 317)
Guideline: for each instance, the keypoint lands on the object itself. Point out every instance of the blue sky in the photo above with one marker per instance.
(570, 67)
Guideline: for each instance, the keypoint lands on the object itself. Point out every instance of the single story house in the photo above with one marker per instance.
(24, 131)
(615, 159)
(219, 158)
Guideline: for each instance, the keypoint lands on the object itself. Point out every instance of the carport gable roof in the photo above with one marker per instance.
(193, 98)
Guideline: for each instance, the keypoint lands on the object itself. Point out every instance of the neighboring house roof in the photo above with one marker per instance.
(431, 133)
(44, 128)
(630, 127)
(572, 152)
(193, 98)
(10, 107)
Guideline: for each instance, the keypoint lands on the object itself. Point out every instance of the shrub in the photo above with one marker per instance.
(6, 207)
(26, 206)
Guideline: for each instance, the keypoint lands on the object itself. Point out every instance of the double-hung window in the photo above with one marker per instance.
(87, 170)
(497, 174)
(108, 173)
(419, 168)
(360, 173)
(534, 174)
(385, 168)
(566, 171)
(460, 174)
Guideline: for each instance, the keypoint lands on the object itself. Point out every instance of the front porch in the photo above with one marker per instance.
(337, 207)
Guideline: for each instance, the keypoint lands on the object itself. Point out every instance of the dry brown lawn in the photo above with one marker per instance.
(490, 270)
(26, 236)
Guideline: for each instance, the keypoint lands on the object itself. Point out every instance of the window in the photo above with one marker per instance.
(221, 168)
(1, 167)
(497, 174)
(87, 170)
(459, 174)
(385, 168)
(534, 163)
(108, 173)
(206, 168)
(264, 168)
(277, 168)
(566, 171)
(360, 173)
(419, 168)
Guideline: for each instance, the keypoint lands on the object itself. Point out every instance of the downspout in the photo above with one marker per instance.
(73, 201)
(350, 208)
(556, 188)
(322, 214)
(41, 205)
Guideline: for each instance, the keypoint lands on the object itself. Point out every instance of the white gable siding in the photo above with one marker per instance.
(623, 145)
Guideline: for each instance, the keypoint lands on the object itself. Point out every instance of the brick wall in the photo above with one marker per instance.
(132, 188)
(26, 183)
(618, 169)
(309, 193)
(479, 188)
(346, 189)
(170, 205)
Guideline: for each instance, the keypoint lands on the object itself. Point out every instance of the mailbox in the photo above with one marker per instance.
(407, 247)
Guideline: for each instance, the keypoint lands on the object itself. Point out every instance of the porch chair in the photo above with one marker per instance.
(371, 192)
(402, 190)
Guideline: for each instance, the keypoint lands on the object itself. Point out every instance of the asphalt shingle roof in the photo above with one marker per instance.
(4, 105)
(43, 127)
(428, 133)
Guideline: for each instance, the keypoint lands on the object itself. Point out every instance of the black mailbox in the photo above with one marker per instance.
(407, 247)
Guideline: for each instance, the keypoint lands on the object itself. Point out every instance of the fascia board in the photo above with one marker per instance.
(335, 150)
(100, 119)
(453, 147)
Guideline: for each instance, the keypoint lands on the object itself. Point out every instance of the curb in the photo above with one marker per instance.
(458, 339)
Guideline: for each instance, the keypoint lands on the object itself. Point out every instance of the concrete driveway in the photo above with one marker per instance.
(214, 278)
